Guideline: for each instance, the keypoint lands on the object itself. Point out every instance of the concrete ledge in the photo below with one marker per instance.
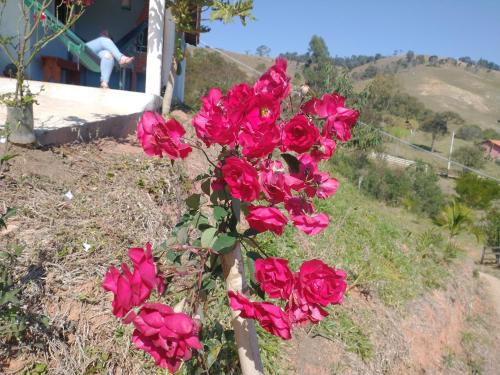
(69, 113)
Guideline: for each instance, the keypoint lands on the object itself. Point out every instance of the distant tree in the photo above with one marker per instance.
(491, 227)
(469, 132)
(467, 60)
(433, 60)
(370, 72)
(436, 126)
(470, 156)
(420, 59)
(263, 50)
(378, 56)
(318, 51)
(410, 55)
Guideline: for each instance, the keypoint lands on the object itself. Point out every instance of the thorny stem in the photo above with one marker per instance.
(189, 142)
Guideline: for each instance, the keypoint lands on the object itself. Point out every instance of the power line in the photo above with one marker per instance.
(433, 154)
(406, 143)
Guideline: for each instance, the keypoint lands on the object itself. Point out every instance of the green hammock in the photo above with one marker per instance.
(73, 43)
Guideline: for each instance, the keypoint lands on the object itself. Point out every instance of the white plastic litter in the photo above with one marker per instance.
(86, 246)
(69, 195)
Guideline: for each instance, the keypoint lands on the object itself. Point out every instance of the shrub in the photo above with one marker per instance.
(491, 227)
(491, 134)
(425, 189)
(470, 156)
(469, 132)
(477, 192)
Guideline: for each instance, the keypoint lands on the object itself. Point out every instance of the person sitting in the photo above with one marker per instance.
(107, 50)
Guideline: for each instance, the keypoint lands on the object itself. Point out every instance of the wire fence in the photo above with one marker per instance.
(436, 160)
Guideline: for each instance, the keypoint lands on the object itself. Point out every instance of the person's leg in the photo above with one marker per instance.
(107, 64)
(102, 43)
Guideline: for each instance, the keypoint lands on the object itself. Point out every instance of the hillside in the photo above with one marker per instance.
(473, 93)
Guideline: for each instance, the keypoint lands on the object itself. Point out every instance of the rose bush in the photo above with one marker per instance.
(266, 168)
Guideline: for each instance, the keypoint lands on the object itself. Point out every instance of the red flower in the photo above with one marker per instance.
(159, 137)
(260, 143)
(270, 317)
(273, 181)
(262, 112)
(274, 82)
(321, 284)
(132, 289)
(315, 183)
(325, 186)
(237, 102)
(143, 263)
(323, 150)
(311, 224)
(211, 123)
(299, 134)
(241, 178)
(274, 276)
(169, 337)
(300, 311)
(339, 120)
(266, 219)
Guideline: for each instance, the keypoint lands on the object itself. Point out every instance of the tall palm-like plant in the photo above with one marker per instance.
(455, 217)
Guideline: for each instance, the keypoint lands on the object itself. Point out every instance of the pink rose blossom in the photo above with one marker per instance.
(321, 284)
(241, 178)
(159, 137)
(274, 82)
(339, 119)
(274, 276)
(299, 134)
(311, 224)
(266, 219)
(169, 337)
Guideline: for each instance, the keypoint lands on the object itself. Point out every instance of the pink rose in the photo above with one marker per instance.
(274, 82)
(262, 112)
(274, 276)
(259, 143)
(241, 178)
(211, 123)
(272, 318)
(325, 186)
(158, 137)
(266, 219)
(300, 311)
(169, 337)
(299, 134)
(311, 224)
(339, 120)
(323, 150)
(273, 182)
(131, 289)
(237, 102)
(321, 284)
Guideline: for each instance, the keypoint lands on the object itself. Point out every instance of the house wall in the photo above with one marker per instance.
(491, 149)
(9, 22)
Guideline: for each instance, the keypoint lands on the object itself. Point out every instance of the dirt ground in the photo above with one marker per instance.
(119, 199)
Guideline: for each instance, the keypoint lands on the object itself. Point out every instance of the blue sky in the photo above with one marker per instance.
(443, 27)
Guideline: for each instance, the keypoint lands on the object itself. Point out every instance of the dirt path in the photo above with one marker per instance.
(493, 286)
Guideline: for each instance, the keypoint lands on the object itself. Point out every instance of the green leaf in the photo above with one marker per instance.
(207, 237)
(292, 162)
(7, 157)
(224, 243)
(250, 232)
(254, 255)
(220, 212)
(213, 354)
(205, 186)
(193, 201)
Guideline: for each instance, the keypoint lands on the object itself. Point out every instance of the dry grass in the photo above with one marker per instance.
(120, 200)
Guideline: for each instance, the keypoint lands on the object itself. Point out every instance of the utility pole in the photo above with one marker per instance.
(451, 152)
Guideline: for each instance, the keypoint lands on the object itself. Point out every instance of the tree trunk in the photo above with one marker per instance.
(244, 329)
(169, 89)
(432, 143)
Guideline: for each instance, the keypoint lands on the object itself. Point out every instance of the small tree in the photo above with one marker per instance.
(470, 156)
(469, 132)
(263, 50)
(410, 55)
(455, 217)
(436, 126)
